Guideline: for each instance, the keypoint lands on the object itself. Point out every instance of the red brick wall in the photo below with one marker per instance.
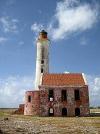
(70, 104)
(32, 108)
(20, 110)
(44, 106)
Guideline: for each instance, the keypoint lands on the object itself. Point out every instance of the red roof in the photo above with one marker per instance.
(70, 79)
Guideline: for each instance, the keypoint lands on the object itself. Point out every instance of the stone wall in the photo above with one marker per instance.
(20, 110)
(32, 107)
(70, 104)
(44, 105)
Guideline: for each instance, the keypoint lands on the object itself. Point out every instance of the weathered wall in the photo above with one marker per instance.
(70, 104)
(20, 110)
(42, 54)
(32, 108)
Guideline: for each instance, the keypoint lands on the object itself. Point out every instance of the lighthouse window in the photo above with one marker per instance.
(42, 61)
(41, 70)
(42, 53)
(29, 98)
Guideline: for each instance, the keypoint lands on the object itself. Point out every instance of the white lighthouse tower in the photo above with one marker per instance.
(42, 59)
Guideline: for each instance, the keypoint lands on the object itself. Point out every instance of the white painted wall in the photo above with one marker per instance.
(41, 44)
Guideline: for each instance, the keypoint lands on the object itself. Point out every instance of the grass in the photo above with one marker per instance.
(6, 111)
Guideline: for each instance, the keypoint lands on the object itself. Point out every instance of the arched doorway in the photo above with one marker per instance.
(51, 112)
(77, 111)
(64, 111)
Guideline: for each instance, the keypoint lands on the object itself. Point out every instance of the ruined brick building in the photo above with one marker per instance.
(55, 94)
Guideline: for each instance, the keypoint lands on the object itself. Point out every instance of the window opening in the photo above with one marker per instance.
(64, 111)
(42, 61)
(42, 53)
(29, 98)
(51, 112)
(77, 95)
(64, 96)
(51, 96)
(41, 70)
(77, 111)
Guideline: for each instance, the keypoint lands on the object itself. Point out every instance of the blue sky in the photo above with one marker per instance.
(73, 28)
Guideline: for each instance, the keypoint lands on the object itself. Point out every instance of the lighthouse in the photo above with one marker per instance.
(55, 94)
(42, 57)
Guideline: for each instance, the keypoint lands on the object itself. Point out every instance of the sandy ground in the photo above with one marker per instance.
(18, 124)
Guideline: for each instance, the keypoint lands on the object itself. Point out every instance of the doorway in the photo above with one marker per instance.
(77, 111)
(64, 111)
(51, 112)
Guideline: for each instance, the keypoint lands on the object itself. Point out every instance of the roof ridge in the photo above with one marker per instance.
(60, 73)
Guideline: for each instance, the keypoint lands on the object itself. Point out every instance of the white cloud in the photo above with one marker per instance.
(8, 24)
(94, 90)
(3, 40)
(12, 90)
(71, 16)
(36, 27)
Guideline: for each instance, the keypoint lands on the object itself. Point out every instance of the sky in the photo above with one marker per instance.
(73, 28)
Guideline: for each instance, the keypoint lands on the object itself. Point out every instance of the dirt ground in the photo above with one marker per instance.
(19, 124)
(37, 125)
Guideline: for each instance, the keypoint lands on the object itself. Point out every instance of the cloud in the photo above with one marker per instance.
(94, 90)
(12, 90)
(36, 27)
(71, 16)
(3, 40)
(8, 24)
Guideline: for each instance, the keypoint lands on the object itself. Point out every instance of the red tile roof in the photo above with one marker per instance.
(70, 79)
